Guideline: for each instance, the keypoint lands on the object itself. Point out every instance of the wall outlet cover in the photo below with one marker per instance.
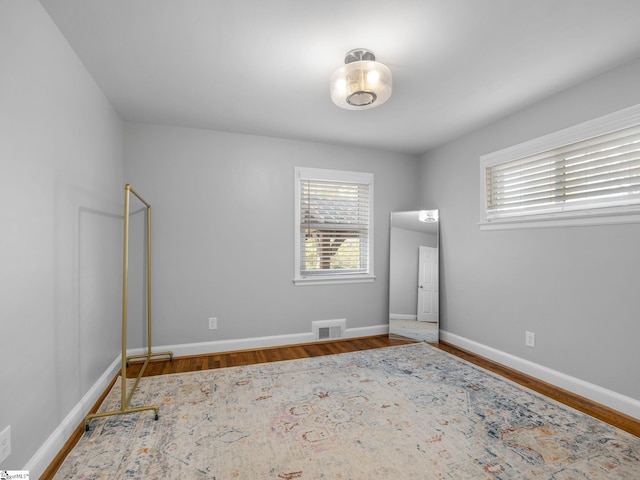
(530, 339)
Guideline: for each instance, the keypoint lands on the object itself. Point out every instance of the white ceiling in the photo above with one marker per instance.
(262, 66)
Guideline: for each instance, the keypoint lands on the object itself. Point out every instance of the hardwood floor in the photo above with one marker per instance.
(263, 355)
(274, 354)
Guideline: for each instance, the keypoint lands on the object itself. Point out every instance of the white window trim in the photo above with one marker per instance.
(601, 216)
(331, 279)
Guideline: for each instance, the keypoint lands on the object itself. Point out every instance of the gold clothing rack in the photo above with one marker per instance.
(125, 399)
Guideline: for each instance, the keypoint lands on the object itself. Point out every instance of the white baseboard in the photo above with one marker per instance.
(609, 398)
(52, 446)
(217, 346)
(366, 331)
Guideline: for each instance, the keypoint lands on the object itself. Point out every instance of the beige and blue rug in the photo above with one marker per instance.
(392, 413)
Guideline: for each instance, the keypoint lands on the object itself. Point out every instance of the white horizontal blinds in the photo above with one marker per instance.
(602, 171)
(334, 227)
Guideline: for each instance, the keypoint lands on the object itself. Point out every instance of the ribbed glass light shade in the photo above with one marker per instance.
(361, 85)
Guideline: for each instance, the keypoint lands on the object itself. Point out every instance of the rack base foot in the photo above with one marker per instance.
(148, 356)
(125, 411)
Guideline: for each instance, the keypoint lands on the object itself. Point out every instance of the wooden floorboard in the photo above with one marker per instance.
(293, 352)
(263, 355)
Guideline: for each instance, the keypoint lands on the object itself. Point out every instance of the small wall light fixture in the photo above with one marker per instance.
(361, 83)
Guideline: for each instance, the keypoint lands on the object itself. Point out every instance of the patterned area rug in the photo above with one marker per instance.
(401, 412)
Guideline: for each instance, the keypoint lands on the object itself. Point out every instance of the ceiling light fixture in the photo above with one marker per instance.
(428, 216)
(361, 83)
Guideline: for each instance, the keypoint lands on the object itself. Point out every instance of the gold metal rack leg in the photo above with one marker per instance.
(125, 399)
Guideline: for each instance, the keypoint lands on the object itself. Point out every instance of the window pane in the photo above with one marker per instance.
(598, 172)
(333, 222)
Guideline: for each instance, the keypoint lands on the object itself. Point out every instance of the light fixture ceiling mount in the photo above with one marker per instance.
(361, 83)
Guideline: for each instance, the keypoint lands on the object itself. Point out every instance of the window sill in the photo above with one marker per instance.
(550, 221)
(333, 280)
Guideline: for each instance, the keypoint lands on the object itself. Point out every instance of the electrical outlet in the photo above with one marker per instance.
(5, 443)
(213, 323)
(530, 339)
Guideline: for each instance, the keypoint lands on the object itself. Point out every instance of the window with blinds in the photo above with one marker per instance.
(333, 225)
(578, 175)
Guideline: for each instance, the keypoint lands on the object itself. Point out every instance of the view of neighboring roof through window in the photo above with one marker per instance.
(333, 224)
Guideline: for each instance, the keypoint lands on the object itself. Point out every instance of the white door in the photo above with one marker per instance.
(428, 284)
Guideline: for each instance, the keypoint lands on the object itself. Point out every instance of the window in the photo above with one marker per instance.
(334, 226)
(586, 174)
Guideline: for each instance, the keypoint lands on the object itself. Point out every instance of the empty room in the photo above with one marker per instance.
(329, 239)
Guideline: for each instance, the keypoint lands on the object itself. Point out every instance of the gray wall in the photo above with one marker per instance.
(576, 288)
(223, 207)
(60, 184)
